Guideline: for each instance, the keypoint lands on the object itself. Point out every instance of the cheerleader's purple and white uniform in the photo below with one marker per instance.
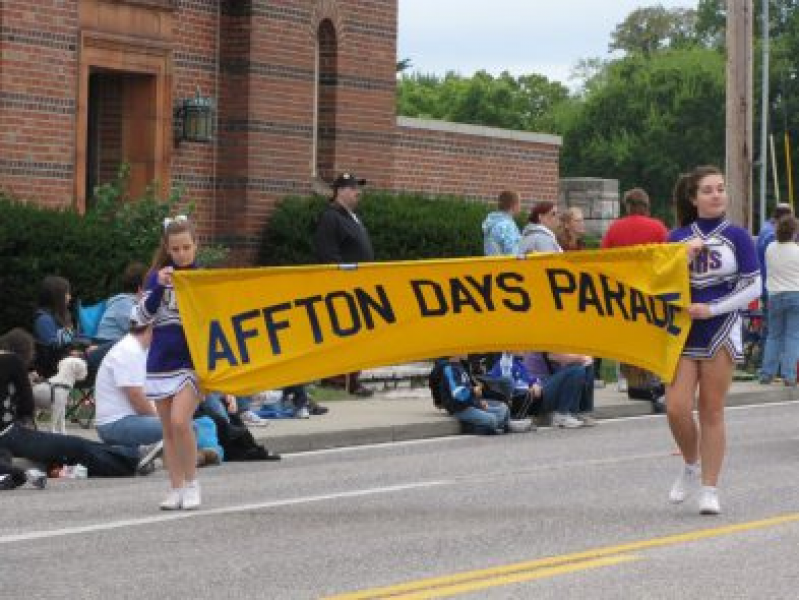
(726, 276)
(169, 364)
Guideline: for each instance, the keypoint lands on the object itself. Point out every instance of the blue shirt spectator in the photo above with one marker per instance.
(116, 319)
(500, 232)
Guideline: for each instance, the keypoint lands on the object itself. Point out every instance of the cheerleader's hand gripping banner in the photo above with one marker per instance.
(255, 329)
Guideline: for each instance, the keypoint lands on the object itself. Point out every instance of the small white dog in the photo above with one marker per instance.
(53, 394)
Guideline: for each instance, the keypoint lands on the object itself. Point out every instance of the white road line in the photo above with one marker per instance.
(175, 516)
(167, 517)
(764, 405)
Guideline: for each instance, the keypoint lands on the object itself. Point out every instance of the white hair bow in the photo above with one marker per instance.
(178, 219)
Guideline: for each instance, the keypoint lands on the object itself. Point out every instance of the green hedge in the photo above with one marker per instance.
(90, 252)
(402, 227)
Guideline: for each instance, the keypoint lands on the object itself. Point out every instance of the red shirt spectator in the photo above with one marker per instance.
(637, 227)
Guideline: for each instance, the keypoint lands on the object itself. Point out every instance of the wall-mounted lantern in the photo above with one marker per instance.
(194, 119)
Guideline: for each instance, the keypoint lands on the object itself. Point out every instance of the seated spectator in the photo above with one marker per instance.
(463, 398)
(116, 319)
(235, 441)
(53, 326)
(218, 404)
(560, 392)
(225, 405)
(17, 430)
(209, 450)
(212, 424)
(124, 415)
(297, 397)
(586, 363)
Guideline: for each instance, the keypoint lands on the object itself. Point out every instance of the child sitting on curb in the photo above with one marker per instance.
(560, 392)
(463, 398)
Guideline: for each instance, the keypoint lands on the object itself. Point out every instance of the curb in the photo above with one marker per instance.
(306, 442)
(444, 427)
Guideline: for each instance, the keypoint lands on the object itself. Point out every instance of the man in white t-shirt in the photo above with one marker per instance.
(124, 416)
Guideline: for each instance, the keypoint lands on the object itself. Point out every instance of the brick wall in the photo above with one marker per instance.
(266, 144)
(436, 157)
(38, 51)
(195, 60)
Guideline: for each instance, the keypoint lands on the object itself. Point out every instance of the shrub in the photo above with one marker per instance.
(91, 252)
(35, 242)
(401, 227)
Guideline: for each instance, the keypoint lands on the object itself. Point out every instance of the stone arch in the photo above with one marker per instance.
(326, 10)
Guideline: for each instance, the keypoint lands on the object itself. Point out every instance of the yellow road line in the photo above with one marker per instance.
(482, 584)
(480, 574)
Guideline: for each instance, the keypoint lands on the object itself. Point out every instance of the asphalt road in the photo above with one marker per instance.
(552, 514)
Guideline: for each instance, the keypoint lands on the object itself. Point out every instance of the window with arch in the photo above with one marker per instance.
(325, 117)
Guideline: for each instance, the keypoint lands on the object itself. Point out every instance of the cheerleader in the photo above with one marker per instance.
(171, 380)
(725, 278)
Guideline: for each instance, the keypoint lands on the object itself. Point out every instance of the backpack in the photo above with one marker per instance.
(440, 391)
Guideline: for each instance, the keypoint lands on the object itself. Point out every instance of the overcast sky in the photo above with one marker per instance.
(519, 36)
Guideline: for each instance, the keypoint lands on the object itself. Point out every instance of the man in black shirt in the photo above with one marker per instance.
(341, 238)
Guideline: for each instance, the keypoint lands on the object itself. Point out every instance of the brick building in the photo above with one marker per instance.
(300, 89)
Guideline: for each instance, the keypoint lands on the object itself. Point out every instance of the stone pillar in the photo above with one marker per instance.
(597, 198)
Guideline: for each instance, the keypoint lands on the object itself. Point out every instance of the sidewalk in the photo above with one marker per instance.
(409, 414)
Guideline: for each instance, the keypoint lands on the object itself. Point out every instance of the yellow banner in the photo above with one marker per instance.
(256, 329)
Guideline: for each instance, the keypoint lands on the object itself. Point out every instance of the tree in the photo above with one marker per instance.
(783, 82)
(649, 119)
(648, 30)
(783, 65)
(525, 103)
(711, 22)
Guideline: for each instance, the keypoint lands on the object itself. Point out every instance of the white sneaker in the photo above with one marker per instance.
(191, 496)
(587, 419)
(566, 421)
(709, 501)
(302, 413)
(686, 483)
(173, 501)
(251, 418)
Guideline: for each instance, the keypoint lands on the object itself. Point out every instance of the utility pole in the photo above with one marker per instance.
(739, 111)
(763, 155)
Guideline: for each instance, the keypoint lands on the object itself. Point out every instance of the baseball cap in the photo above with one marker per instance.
(347, 179)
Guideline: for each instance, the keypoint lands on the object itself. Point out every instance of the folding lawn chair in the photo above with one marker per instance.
(89, 318)
(81, 407)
